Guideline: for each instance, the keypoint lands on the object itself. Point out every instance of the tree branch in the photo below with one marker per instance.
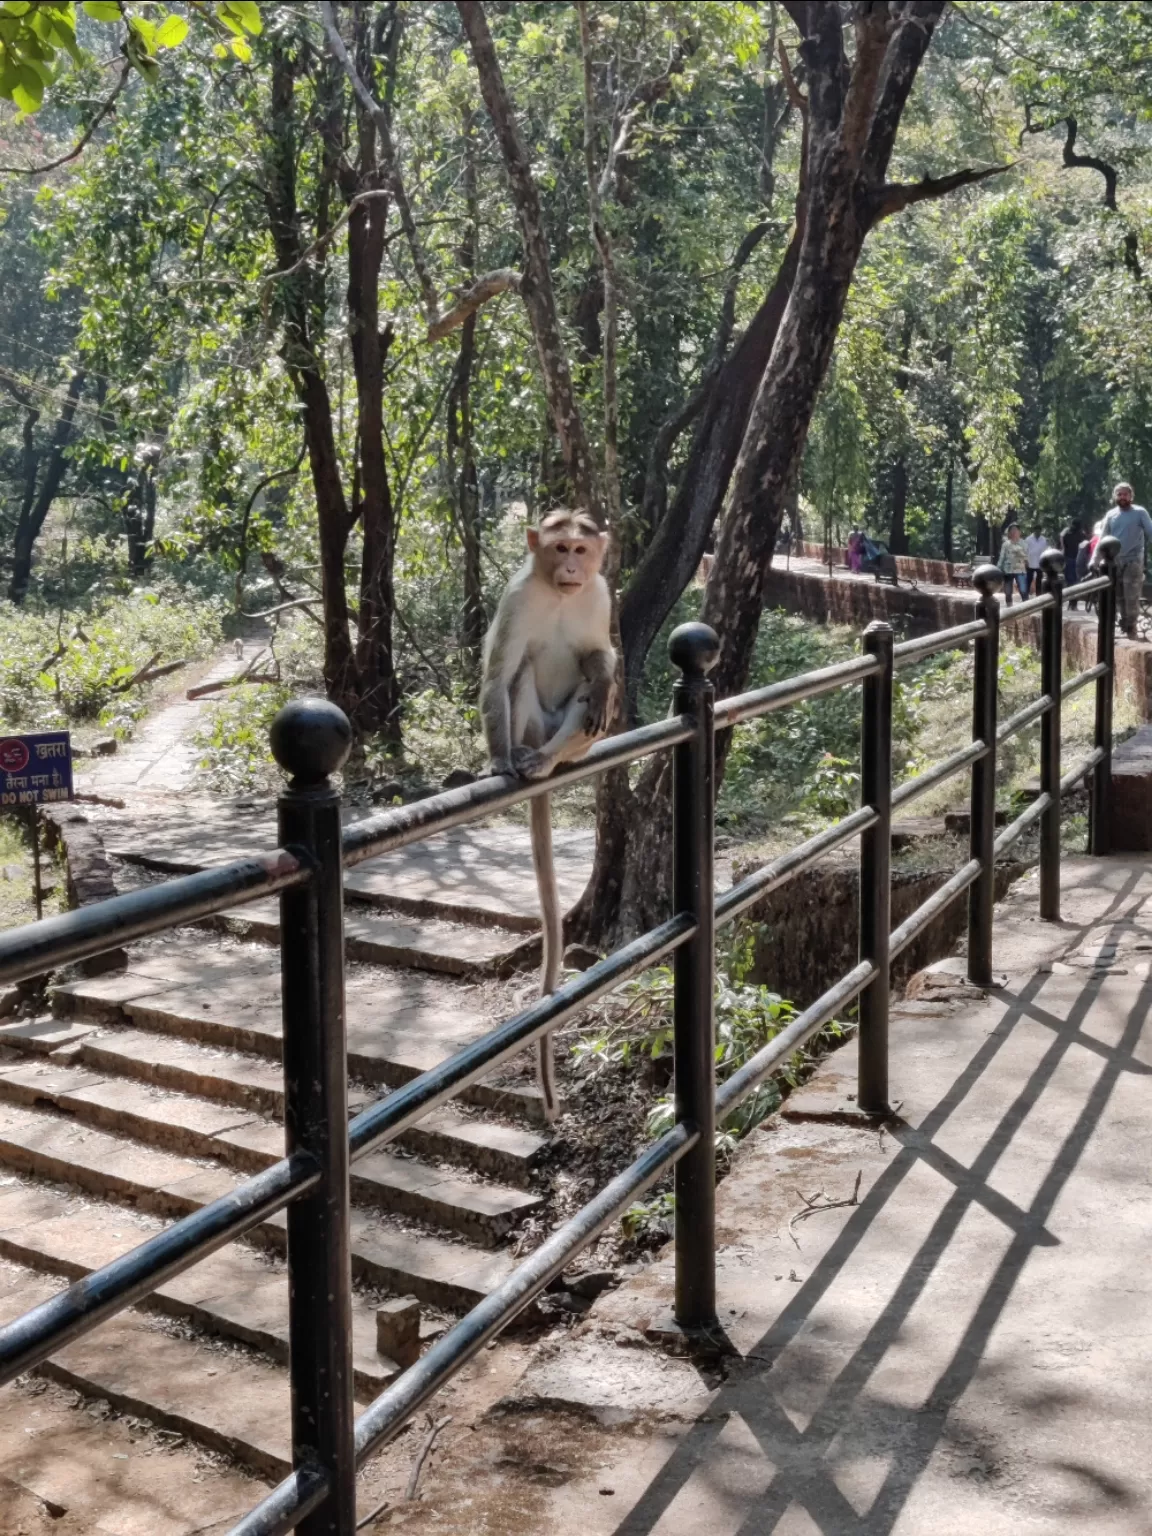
(1072, 160)
(101, 113)
(503, 280)
(896, 195)
(536, 285)
(391, 163)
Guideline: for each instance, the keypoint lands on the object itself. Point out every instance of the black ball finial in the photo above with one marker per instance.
(1107, 551)
(310, 739)
(988, 579)
(1052, 564)
(694, 648)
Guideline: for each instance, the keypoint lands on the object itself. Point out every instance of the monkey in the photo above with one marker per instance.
(547, 693)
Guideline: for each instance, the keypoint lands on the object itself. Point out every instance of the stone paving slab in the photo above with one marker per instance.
(477, 874)
(234, 1293)
(452, 949)
(956, 1342)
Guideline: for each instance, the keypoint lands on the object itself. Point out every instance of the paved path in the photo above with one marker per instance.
(966, 1350)
(161, 758)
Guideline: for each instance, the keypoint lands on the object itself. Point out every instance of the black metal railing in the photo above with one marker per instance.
(310, 740)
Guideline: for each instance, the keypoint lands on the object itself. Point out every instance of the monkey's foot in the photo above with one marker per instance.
(530, 764)
(500, 768)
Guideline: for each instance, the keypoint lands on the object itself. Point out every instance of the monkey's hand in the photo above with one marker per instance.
(501, 767)
(601, 697)
(530, 764)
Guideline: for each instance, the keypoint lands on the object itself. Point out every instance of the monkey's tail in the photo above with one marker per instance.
(552, 933)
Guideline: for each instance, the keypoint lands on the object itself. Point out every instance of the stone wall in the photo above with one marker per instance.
(809, 933)
(908, 567)
(857, 603)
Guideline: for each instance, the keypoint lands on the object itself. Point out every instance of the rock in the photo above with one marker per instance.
(392, 790)
(457, 779)
(106, 747)
(398, 1330)
(580, 958)
(593, 1283)
(14, 872)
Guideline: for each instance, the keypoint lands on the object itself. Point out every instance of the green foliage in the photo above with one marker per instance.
(66, 671)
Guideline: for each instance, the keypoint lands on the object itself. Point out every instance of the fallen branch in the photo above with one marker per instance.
(813, 1205)
(232, 682)
(422, 1454)
(149, 673)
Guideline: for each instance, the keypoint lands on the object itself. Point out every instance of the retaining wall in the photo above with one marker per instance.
(908, 567)
(857, 603)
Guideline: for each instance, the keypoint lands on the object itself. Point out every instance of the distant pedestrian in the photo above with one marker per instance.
(1132, 526)
(1013, 563)
(855, 551)
(1083, 562)
(1035, 545)
(1071, 539)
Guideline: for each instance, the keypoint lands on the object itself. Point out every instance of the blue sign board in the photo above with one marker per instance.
(35, 769)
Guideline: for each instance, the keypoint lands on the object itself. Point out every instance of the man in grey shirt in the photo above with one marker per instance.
(1131, 525)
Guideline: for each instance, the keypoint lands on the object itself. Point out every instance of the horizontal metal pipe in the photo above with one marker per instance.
(929, 910)
(1023, 717)
(735, 1089)
(39, 947)
(1017, 828)
(1013, 611)
(1083, 588)
(406, 824)
(398, 1402)
(943, 640)
(939, 774)
(1072, 778)
(1082, 679)
(289, 1502)
(762, 701)
(29, 1340)
(406, 1105)
(739, 897)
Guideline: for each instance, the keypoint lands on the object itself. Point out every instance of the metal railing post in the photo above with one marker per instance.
(1099, 819)
(876, 871)
(988, 581)
(310, 741)
(1051, 681)
(694, 648)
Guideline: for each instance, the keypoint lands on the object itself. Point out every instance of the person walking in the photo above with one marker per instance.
(1071, 539)
(1013, 563)
(1132, 526)
(1034, 546)
(855, 551)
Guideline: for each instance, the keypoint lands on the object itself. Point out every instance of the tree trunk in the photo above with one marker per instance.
(854, 112)
(34, 511)
(898, 506)
(946, 525)
(461, 451)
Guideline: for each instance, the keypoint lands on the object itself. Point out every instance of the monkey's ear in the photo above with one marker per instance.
(533, 539)
(604, 541)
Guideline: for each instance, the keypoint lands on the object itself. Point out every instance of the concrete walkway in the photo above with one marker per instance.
(959, 1343)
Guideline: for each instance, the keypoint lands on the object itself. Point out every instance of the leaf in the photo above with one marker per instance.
(102, 10)
(246, 12)
(28, 91)
(171, 32)
(241, 49)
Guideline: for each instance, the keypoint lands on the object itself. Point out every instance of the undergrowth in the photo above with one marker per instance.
(76, 668)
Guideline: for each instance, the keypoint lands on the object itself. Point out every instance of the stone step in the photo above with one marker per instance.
(452, 949)
(200, 1128)
(230, 1401)
(38, 1142)
(235, 1293)
(505, 1152)
(398, 1025)
(477, 874)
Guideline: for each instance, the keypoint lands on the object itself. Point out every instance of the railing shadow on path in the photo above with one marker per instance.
(803, 1477)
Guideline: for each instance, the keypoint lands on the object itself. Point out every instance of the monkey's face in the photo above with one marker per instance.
(568, 549)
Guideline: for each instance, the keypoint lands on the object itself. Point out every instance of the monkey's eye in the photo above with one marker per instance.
(561, 549)
(580, 550)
